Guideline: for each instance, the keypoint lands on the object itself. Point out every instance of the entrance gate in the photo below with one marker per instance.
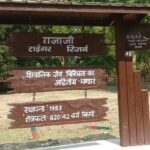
(133, 101)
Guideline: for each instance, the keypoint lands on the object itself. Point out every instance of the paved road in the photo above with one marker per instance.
(95, 145)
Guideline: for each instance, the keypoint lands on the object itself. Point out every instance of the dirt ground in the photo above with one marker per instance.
(51, 135)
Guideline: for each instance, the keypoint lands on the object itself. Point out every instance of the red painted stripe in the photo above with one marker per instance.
(35, 135)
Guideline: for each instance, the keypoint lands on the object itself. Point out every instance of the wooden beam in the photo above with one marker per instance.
(122, 83)
(66, 14)
(74, 8)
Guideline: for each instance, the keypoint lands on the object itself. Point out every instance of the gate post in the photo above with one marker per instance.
(133, 101)
(122, 82)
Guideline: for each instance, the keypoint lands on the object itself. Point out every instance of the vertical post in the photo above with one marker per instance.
(85, 93)
(122, 82)
(145, 104)
(131, 101)
(139, 109)
(34, 94)
(34, 131)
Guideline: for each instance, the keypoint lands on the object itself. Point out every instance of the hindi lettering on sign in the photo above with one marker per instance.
(30, 119)
(74, 73)
(88, 81)
(37, 74)
(138, 38)
(72, 49)
(90, 114)
(57, 112)
(34, 80)
(34, 109)
(57, 74)
(58, 40)
(39, 48)
(65, 82)
(40, 44)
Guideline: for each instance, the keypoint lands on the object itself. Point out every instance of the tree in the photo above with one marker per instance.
(6, 62)
(143, 62)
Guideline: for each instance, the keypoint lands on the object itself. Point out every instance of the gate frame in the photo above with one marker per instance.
(131, 108)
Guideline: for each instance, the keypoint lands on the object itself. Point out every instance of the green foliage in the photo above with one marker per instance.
(143, 62)
(6, 62)
(107, 61)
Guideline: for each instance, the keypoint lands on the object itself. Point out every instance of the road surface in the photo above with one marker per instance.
(95, 145)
